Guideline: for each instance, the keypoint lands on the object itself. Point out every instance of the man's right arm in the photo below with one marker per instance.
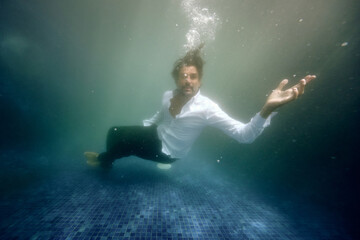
(153, 120)
(156, 119)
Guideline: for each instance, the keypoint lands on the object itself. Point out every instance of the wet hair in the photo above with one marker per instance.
(192, 58)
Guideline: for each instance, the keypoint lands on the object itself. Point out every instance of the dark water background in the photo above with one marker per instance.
(71, 69)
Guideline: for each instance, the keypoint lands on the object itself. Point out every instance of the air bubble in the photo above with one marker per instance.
(203, 24)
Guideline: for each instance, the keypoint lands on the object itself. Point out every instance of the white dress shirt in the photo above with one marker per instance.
(179, 133)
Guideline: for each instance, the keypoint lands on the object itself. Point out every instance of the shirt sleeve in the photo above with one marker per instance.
(242, 132)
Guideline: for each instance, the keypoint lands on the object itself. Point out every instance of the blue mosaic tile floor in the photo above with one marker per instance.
(135, 200)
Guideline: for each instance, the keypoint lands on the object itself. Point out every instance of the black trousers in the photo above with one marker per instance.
(139, 141)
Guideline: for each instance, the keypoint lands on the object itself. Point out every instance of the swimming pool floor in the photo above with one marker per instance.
(139, 201)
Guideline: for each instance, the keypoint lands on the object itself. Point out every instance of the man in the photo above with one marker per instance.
(169, 134)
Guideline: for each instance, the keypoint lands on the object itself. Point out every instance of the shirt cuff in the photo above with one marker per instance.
(147, 123)
(261, 122)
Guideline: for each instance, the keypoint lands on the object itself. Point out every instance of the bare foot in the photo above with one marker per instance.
(92, 158)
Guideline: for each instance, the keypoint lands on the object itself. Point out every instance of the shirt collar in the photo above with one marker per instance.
(196, 98)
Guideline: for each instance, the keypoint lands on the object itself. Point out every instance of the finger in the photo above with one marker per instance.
(282, 84)
(301, 86)
(308, 78)
(296, 93)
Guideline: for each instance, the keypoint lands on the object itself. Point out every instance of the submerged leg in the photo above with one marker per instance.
(118, 145)
(114, 150)
(122, 142)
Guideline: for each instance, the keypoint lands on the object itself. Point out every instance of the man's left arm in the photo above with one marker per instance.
(248, 132)
(241, 132)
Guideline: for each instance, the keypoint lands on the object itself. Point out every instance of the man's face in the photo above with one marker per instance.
(188, 82)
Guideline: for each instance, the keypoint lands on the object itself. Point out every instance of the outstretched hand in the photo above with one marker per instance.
(279, 97)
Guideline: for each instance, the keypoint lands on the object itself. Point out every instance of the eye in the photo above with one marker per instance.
(193, 76)
(183, 76)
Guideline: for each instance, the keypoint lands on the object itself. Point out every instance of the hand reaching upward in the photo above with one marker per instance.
(279, 97)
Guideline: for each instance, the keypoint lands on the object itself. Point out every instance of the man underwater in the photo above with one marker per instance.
(170, 133)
